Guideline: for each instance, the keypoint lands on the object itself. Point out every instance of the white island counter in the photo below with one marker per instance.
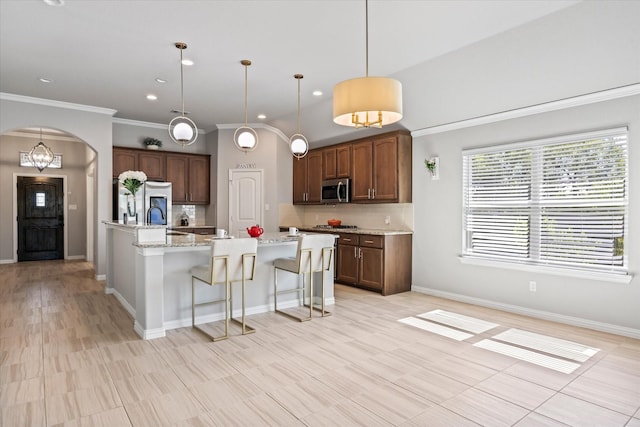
(153, 282)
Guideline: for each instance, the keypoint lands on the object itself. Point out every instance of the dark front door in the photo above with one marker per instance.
(40, 218)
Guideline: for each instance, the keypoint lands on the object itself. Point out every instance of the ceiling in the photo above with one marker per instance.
(109, 53)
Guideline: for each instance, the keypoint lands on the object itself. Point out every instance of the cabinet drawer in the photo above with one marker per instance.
(348, 239)
(372, 241)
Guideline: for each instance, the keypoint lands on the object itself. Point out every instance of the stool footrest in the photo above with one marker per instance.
(213, 338)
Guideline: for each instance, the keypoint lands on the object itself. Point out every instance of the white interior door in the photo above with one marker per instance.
(245, 200)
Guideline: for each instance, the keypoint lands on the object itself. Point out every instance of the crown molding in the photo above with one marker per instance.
(576, 101)
(58, 104)
(164, 126)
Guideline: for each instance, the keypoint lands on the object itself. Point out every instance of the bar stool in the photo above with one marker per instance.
(314, 254)
(232, 260)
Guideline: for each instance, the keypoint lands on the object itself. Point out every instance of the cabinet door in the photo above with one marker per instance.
(199, 185)
(124, 160)
(371, 268)
(361, 171)
(343, 161)
(314, 176)
(385, 169)
(177, 166)
(153, 165)
(329, 164)
(300, 180)
(347, 264)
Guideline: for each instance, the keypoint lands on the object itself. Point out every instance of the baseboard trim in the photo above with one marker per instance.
(75, 257)
(101, 277)
(7, 261)
(540, 314)
(186, 322)
(149, 334)
(123, 302)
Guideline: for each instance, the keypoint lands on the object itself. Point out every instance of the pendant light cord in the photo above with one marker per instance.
(299, 104)
(181, 81)
(245, 94)
(366, 26)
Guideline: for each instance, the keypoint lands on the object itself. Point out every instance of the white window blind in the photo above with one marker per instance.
(555, 202)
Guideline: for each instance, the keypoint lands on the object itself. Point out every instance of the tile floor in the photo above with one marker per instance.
(69, 356)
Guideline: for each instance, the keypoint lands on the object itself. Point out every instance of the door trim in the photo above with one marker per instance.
(15, 210)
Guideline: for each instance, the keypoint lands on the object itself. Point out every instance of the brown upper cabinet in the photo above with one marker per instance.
(336, 162)
(188, 173)
(189, 176)
(381, 169)
(307, 178)
(152, 163)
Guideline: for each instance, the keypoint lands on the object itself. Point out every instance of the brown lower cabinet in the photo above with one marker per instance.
(197, 230)
(380, 263)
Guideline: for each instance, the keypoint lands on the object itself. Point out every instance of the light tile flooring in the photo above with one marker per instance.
(69, 356)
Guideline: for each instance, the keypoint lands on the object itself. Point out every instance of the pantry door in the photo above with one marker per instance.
(245, 200)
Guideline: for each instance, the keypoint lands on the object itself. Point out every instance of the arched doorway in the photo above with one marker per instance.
(76, 171)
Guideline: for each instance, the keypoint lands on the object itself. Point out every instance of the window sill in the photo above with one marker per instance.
(566, 272)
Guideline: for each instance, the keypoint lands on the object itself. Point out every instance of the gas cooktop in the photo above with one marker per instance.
(331, 227)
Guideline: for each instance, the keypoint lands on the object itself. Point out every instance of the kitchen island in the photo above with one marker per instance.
(152, 279)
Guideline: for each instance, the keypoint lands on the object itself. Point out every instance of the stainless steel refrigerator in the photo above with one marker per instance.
(151, 204)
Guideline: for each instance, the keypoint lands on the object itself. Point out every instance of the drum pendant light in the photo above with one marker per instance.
(182, 130)
(367, 101)
(245, 138)
(298, 144)
(41, 156)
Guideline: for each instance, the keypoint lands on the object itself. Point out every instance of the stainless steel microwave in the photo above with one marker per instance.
(336, 191)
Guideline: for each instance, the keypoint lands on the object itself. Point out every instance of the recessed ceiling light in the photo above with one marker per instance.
(152, 97)
(317, 93)
(187, 62)
(159, 80)
(54, 2)
(262, 116)
(45, 80)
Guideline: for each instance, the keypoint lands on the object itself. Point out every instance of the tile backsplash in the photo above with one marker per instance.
(196, 214)
(372, 216)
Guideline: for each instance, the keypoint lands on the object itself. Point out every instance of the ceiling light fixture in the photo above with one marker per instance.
(298, 144)
(160, 80)
(367, 101)
(245, 138)
(41, 156)
(182, 130)
(152, 97)
(45, 80)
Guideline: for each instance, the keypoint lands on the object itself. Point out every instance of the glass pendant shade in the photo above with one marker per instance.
(298, 145)
(182, 130)
(367, 101)
(245, 138)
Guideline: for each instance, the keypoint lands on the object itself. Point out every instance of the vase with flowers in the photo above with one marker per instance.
(132, 181)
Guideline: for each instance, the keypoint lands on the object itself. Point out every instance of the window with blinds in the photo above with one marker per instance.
(556, 202)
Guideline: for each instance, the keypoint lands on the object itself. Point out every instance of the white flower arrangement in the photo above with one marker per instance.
(132, 180)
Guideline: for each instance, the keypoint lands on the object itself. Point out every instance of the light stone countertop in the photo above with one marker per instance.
(195, 240)
(373, 231)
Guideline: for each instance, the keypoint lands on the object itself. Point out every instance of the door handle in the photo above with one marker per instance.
(373, 191)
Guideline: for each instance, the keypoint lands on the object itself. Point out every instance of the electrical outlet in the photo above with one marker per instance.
(387, 219)
(532, 286)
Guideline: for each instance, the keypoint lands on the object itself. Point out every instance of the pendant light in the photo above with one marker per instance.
(367, 101)
(182, 130)
(298, 144)
(41, 156)
(245, 138)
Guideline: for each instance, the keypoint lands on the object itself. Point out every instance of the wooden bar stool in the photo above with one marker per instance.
(232, 260)
(314, 254)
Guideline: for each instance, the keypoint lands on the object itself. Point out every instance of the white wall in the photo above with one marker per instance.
(272, 156)
(438, 228)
